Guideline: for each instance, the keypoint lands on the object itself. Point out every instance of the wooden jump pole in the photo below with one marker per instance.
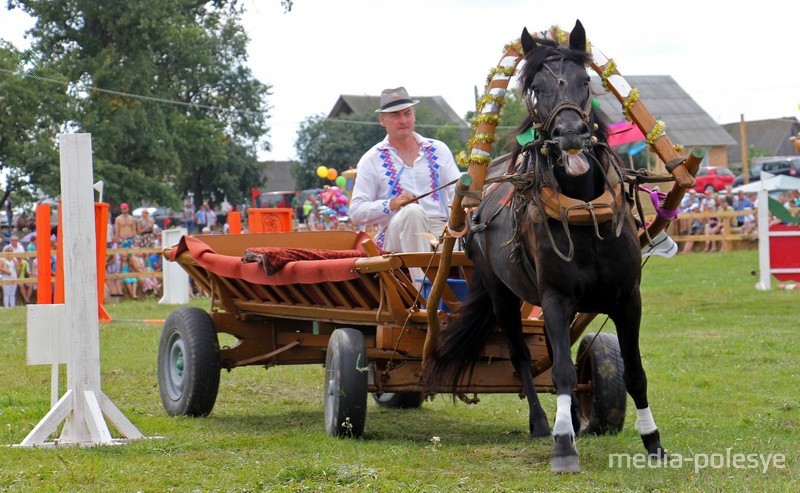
(84, 405)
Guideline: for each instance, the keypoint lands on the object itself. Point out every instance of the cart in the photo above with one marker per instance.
(366, 321)
(362, 317)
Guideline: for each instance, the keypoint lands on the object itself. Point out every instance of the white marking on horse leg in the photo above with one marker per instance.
(563, 425)
(644, 421)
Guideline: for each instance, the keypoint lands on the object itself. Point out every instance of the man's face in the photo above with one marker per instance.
(125, 211)
(399, 123)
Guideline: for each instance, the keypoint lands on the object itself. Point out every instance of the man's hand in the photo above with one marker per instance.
(399, 201)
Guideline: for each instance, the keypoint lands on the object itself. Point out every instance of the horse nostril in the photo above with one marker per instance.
(558, 131)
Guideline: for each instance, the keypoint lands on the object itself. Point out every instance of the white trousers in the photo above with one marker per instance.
(406, 232)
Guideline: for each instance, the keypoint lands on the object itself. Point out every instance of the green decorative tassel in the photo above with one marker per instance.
(526, 137)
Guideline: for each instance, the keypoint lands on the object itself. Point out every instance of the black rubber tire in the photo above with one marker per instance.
(398, 400)
(188, 363)
(603, 410)
(345, 388)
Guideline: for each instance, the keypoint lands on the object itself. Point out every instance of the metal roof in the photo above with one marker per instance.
(771, 136)
(687, 123)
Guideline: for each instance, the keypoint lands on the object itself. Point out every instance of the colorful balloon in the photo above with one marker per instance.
(322, 172)
(332, 174)
(341, 181)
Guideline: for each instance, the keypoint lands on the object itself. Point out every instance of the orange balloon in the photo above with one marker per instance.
(332, 174)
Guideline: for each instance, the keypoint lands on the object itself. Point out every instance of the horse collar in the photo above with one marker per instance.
(577, 212)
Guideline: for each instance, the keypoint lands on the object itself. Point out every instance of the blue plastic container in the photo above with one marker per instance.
(458, 286)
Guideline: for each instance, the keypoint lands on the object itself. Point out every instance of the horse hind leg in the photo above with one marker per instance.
(508, 317)
(538, 425)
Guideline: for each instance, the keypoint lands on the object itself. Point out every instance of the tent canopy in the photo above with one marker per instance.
(770, 182)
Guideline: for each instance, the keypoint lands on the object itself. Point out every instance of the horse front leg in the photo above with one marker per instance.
(556, 320)
(627, 321)
(521, 359)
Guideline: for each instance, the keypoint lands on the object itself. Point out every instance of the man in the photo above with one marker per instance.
(16, 246)
(395, 179)
(124, 228)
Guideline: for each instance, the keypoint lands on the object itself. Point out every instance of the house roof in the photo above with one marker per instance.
(687, 123)
(350, 104)
(767, 135)
(278, 177)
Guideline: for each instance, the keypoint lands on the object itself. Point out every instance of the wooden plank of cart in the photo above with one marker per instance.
(362, 317)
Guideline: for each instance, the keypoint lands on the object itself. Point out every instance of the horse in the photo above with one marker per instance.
(556, 232)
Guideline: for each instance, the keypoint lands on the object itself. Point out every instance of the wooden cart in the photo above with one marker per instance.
(367, 324)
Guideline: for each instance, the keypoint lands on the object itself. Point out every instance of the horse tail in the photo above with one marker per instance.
(464, 335)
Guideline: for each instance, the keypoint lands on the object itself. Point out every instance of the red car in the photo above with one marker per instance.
(714, 178)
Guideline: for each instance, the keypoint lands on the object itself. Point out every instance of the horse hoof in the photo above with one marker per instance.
(565, 457)
(565, 464)
(652, 442)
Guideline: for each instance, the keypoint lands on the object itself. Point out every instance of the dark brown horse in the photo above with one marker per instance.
(558, 234)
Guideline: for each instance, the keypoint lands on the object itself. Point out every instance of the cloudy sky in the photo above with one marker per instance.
(732, 61)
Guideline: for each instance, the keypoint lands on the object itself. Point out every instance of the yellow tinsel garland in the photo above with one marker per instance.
(632, 98)
(655, 132)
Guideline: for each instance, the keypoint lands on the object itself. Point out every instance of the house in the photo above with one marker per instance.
(687, 123)
(764, 138)
(435, 106)
(277, 177)
(356, 105)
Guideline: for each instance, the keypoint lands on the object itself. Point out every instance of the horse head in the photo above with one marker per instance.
(555, 88)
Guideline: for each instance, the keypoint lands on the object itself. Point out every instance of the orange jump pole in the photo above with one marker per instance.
(44, 279)
(234, 222)
(58, 294)
(101, 236)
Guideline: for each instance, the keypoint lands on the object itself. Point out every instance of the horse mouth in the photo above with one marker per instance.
(575, 162)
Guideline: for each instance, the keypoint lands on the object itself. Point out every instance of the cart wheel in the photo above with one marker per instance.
(602, 410)
(188, 363)
(398, 400)
(346, 384)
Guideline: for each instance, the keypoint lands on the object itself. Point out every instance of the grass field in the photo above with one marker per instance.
(723, 364)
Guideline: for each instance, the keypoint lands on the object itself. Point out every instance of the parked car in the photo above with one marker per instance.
(776, 165)
(276, 199)
(714, 178)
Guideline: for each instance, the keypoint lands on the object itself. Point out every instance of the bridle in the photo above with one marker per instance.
(544, 126)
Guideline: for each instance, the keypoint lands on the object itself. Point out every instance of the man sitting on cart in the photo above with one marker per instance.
(397, 181)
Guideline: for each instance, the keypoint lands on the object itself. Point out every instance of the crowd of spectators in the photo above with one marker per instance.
(709, 225)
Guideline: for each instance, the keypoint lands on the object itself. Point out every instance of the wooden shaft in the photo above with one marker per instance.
(674, 197)
(457, 222)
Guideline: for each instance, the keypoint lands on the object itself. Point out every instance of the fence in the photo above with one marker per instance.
(121, 251)
(731, 238)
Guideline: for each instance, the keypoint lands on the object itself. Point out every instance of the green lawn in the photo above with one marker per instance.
(723, 362)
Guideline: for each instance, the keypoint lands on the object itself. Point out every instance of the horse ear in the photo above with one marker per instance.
(577, 38)
(528, 43)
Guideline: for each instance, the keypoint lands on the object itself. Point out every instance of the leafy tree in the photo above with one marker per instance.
(163, 88)
(31, 113)
(340, 143)
(336, 144)
(511, 116)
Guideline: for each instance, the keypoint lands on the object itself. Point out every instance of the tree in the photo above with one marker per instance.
(163, 88)
(31, 116)
(336, 144)
(512, 114)
(340, 143)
